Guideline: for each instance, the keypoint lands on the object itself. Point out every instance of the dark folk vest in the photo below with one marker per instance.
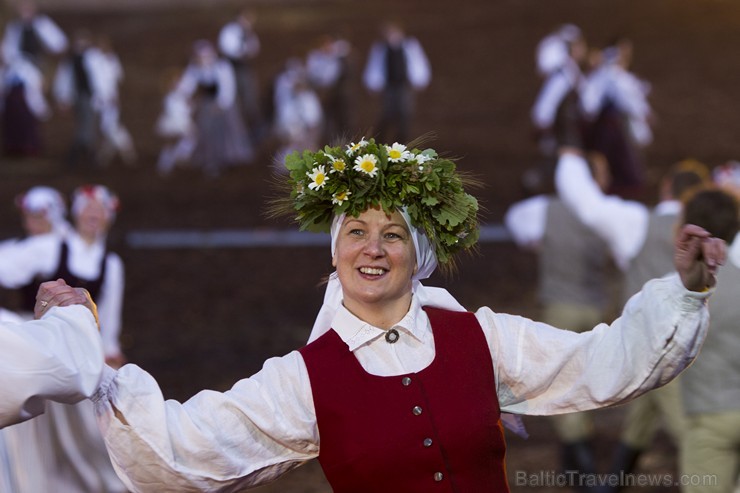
(92, 285)
(435, 430)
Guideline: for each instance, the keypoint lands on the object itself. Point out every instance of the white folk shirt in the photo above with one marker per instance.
(266, 425)
(621, 223)
(59, 357)
(39, 255)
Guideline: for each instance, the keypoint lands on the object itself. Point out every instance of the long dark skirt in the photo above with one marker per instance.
(20, 128)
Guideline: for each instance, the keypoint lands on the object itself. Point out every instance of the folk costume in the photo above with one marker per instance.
(221, 136)
(65, 443)
(290, 411)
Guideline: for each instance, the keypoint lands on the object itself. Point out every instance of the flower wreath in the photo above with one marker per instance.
(353, 178)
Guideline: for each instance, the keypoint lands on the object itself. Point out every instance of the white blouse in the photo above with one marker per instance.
(39, 255)
(266, 425)
(58, 357)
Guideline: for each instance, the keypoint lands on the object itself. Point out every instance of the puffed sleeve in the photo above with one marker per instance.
(110, 305)
(262, 427)
(541, 370)
(58, 357)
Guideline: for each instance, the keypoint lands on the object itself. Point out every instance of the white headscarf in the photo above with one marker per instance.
(426, 263)
(47, 201)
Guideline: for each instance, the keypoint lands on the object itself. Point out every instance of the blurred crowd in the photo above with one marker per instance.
(598, 241)
(215, 114)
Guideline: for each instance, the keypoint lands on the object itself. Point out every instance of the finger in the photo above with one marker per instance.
(692, 230)
(714, 252)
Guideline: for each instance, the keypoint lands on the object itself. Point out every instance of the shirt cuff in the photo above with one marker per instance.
(690, 300)
(106, 381)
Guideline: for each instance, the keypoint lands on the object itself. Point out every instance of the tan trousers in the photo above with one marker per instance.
(644, 415)
(572, 427)
(710, 457)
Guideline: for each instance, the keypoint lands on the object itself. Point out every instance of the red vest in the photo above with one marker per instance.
(435, 430)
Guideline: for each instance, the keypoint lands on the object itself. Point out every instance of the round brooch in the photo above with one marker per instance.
(391, 336)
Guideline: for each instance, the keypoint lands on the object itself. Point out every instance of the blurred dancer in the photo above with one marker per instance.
(619, 115)
(298, 112)
(77, 86)
(397, 67)
(644, 254)
(328, 68)
(221, 138)
(23, 106)
(116, 138)
(573, 264)
(175, 126)
(710, 389)
(44, 211)
(556, 114)
(239, 43)
(32, 35)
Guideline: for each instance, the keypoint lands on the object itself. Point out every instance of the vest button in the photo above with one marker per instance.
(438, 476)
(416, 410)
(427, 442)
(406, 381)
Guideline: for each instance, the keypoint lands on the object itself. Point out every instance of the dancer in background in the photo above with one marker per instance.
(77, 87)
(175, 126)
(298, 113)
(116, 139)
(33, 35)
(239, 43)
(23, 106)
(573, 275)
(619, 118)
(221, 137)
(329, 68)
(397, 67)
(556, 114)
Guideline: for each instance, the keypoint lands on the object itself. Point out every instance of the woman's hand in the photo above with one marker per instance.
(697, 255)
(59, 293)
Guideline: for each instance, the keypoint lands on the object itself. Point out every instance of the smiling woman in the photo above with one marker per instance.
(443, 379)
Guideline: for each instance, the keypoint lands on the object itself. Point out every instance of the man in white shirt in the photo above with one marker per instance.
(643, 254)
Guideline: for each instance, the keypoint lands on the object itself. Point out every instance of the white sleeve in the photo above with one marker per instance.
(621, 223)
(226, 84)
(541, 370)
(526, 220)
(262, 427)
(110, 305)
(25, 259)
(419, 70)
(58, 357)
(545, 108)
(53, 37)
(374, 74)
(63, 86)
(229, 41)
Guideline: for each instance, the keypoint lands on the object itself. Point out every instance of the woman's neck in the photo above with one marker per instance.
(380, 315)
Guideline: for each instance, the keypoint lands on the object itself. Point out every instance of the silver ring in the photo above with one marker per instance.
(43, 303)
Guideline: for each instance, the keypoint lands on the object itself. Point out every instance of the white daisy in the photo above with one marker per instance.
(398, 153)
(352, 147)
(318, 178)
(422, 158)
(339, 197)
(337, 165)
(367, 164)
